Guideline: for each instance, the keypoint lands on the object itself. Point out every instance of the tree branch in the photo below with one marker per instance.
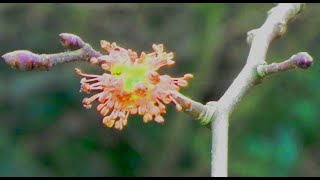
(218, 112)
(260, 39)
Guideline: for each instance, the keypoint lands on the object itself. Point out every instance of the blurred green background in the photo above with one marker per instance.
(45, 131)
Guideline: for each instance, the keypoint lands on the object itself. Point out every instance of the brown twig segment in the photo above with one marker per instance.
(26, 60)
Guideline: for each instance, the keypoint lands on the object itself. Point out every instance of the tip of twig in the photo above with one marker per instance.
(23, 60)
(303, 60)
(71, 41)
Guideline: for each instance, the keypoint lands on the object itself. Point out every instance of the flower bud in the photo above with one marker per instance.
(303, 60)
(71, 41)
(24, 60)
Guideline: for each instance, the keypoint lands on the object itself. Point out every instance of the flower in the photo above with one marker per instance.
(132, 85)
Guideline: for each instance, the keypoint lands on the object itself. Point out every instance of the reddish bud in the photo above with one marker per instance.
(25, 60)
(71, 41)
(303, 60)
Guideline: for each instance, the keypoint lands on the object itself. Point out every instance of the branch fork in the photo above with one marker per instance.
(217, 112)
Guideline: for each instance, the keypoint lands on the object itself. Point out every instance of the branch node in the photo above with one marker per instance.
(281, 29)
(207, 116)
(261, 71)
(250, 35)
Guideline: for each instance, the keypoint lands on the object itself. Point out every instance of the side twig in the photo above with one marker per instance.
(217, 112)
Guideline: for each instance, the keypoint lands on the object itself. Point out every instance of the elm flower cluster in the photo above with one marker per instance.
(131, 85)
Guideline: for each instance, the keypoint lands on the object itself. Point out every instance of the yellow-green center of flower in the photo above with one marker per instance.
(131, 75)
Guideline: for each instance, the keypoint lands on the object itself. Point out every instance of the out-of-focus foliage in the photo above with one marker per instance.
(45, 131)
